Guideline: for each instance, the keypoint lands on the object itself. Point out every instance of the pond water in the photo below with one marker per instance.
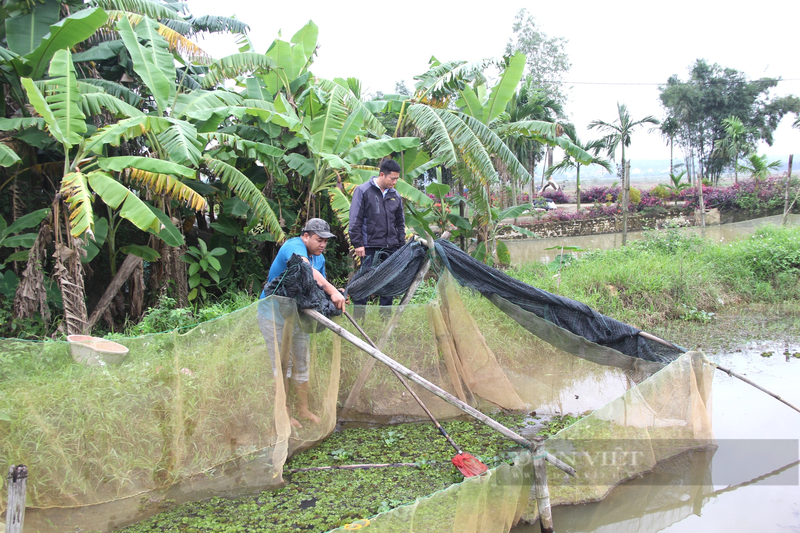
(530, 250)
(750, 483)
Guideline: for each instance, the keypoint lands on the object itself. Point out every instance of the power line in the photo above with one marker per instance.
(558, 82)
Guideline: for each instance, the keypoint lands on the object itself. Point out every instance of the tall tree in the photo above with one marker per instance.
(547, 61)
(593, 147)
(712, 94)
(618, 135)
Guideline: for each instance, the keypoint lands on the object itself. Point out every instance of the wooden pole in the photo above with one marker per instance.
(128, 266)
(540, 484)
(17, 487)
(759, 387)
(788, 185)
(430, 387)
(626, 190)
(346, 467)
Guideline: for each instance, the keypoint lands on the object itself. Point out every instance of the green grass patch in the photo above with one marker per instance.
(669, 275)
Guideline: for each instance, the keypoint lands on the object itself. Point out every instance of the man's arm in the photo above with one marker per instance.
(400, 223)
(336, 297)
(356, 222)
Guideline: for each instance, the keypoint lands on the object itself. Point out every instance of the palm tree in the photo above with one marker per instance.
(593, 147)
(758, 166)
(618, 134)
(735, 142)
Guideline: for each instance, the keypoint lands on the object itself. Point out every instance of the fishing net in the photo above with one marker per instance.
(206, 411)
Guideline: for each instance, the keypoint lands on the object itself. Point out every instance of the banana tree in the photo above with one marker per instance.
(468, 139)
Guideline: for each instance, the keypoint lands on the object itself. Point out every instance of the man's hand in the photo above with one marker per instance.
(360, 251)
(338, 300)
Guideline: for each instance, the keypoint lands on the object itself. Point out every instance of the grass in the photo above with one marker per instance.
(656, 280)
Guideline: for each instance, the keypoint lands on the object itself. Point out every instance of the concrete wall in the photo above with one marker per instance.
(595, 226)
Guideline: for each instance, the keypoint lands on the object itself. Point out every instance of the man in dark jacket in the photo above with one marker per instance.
(377, 222)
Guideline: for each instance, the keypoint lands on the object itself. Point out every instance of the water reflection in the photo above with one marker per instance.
(741, 486)
(534, 250)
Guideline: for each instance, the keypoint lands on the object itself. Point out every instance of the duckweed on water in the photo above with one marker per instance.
(324, 500)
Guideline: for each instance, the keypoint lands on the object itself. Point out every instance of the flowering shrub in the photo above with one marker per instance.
(748, 195)
(648, 199)
(600, 194)
(557, 196)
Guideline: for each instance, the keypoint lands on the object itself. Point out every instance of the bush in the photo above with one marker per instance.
(600, 194)
(661, 192)
(635, 195)
(557, 196)
(748, 195)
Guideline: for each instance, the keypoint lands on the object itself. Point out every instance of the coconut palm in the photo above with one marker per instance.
(758, 167)
(592, 147)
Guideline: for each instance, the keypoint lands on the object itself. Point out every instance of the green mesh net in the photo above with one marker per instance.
(206, 411)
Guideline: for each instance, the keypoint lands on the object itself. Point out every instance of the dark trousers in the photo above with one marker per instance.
(375, 256)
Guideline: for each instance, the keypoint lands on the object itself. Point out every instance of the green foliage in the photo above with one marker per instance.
(660, 191)
(697, 315)
(164, 316)
(713, 94)
(202, 262)
(636, 195)
(650, 281)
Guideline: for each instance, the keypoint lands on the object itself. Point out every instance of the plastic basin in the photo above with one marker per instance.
(94, 351)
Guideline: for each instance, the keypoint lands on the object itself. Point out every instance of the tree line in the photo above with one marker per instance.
(135, 166)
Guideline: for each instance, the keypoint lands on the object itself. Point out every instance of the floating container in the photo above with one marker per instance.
(94, 351)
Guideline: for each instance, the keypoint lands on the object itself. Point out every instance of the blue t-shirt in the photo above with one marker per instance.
(295, 245)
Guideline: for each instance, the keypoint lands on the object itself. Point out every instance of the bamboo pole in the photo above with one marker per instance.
(430, 387)
(762, 389)
(726, 370)
(347, 467)
(540, 484)
(17, 486)
(408, 388)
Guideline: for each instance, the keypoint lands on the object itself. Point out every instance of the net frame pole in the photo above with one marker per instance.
(430, 387)
(726, 370)
(540, 485)
(17, 492)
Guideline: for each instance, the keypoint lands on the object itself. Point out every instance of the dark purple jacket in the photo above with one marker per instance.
(376, 221)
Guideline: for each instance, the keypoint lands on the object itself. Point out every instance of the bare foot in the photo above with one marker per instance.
(308, 415)
(295, 423)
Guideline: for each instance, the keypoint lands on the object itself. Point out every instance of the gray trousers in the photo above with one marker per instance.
(295, 360)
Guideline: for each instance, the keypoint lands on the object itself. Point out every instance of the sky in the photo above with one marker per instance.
(619, 50)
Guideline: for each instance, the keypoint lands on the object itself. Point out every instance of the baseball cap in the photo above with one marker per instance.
(320, 227)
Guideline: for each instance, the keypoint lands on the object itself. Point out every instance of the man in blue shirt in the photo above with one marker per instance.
(377, 223)
(310, 246)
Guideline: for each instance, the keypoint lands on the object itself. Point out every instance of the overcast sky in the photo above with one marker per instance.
(634, 44)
